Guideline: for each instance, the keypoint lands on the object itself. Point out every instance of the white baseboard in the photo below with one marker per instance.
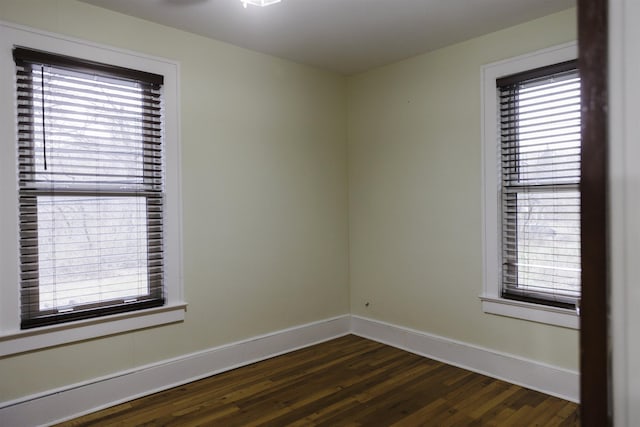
(79, 399)
(548, 379)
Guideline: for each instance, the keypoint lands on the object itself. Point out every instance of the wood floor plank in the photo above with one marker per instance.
(349, 381)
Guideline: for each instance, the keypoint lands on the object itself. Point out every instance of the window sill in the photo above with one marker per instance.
(534, 312)
(50, 336)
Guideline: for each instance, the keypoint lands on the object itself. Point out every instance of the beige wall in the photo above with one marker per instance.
(264, 197)
(414, 195)
(270, 213)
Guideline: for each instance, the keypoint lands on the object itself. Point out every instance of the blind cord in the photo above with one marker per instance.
(44, 131)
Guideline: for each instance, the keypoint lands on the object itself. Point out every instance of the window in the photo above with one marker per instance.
(91, 188)
(540, 173)
(534, 193)
(90, 220)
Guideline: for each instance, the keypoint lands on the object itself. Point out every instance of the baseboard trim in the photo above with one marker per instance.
(548, 379)
(79, 399)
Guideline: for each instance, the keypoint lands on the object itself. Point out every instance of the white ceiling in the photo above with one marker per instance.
(347, 36)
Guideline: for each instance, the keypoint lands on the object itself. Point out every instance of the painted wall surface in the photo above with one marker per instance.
(415, 195)
(264, 197)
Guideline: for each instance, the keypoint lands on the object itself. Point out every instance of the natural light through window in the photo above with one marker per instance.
(531, 148)
(545, 182)
(91, 211)
(91, 188)
(91, 249)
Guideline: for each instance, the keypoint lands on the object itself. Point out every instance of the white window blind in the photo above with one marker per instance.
(90, 164)
(540, 185)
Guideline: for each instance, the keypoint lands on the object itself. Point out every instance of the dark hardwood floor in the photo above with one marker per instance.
(349, 381)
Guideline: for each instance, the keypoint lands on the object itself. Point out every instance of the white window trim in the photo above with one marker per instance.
(492, 302)
(12, 339)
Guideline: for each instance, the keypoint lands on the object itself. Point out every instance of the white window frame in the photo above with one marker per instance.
(13, 340)
(492, 301)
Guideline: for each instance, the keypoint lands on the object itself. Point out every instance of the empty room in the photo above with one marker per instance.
(299, 212)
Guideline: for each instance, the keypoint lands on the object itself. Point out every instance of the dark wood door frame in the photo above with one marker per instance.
(595, 389)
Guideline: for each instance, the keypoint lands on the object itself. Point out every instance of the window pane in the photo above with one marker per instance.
(549, 133)
(91, 249)
(548, 238)
(84, 120)
(89, 131)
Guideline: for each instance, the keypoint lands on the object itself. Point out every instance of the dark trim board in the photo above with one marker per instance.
(595, 390)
